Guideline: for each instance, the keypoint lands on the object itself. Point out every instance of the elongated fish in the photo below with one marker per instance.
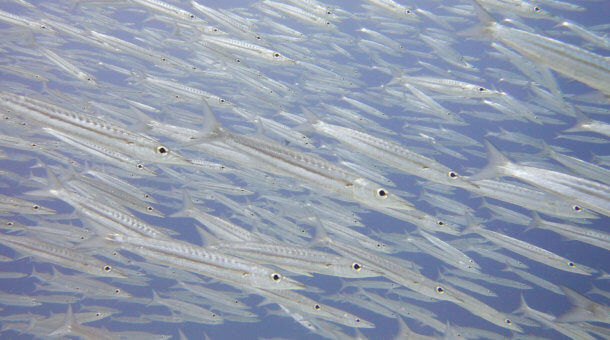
(82, 126)
(60, 255)
(590, 194)
(572, 61)
(206, 261)
(389, 152)
(529, 250)
(282, 160)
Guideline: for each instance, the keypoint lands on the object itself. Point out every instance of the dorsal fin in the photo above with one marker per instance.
(211, 126)
(581, 119)
(495, 164)
(53, 186)
(321, 238)
(187, 205)
(68, 325)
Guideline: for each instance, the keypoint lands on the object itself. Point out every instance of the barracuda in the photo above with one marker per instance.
(390, 153)
(572, 61)
(208, 262)
(590, 194)
(530, 251)
(90, 128)
(61, 256)
(296, 259)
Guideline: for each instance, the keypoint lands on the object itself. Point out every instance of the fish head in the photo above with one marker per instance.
(579, 268)
(440, 224)
(275, 281)
(109, 271)
(119, 293)
(573, 210)
(355, 269)
(449, 177)
(534, 11)
(96, 314)
(374, 195)
(163, 154)
(279, 58)
(454, 179)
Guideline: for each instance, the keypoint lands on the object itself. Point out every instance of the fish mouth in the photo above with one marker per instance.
(464, 183)
(399, 204)
(289, 284)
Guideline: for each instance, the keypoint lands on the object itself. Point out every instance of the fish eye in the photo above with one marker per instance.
(117, 291)
(507, 321)
(571, 264)
(98, 314)
(35, 207)
(329, 12)
(162, 150)
(276, 55)
(482, 89)
(149, 208)
(163, 59)
(441, 223)
(537, 9)
(140, 166)
(258, 37)
(356, 266)
(328, 22)
(276, 277)
(317, 307)
(107, 268)
(381, 193)
(408, 11)
(452, 174)
(10, 223)
(576, 208)
(192, 16)
(440, 290)
(358, 320)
